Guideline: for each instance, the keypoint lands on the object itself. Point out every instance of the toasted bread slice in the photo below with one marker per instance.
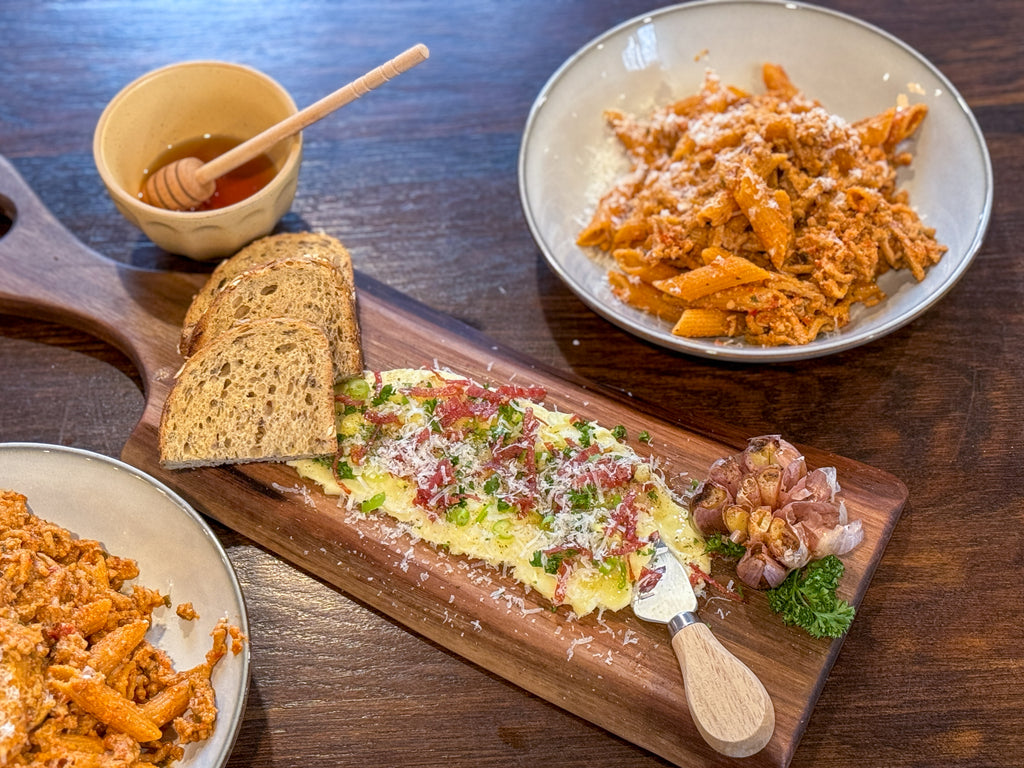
(304, 288)
(258, 253)
(261, 391)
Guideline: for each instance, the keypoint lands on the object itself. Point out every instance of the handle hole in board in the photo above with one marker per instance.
(8, 214)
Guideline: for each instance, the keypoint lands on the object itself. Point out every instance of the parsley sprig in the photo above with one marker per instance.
(807, 598)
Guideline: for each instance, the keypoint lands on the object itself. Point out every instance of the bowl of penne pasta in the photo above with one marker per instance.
(754, 181)
(143, 647)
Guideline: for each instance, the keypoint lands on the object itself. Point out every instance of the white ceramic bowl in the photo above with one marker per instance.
(183, 101)
(133, 515)
(568, 157)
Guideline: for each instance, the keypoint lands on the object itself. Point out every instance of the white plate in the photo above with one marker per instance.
(569, 158)
(133, 515)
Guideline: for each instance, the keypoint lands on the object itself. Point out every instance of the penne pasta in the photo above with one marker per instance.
(170, 703)
(763, 208)
(632, 262)
(904, 123)
(92, 617)
(775, 79)
(874, 131)
(115, 646)
(722, 273)
(109, 707)
(76, 742)
(713, 252)
(645, 296)
(769, 214)
(700, 323)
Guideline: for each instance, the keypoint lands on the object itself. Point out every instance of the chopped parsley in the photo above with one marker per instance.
(586, 430)
(583, 498)
(551, 562)
(722, 545)
(384, 395)
(506, 423)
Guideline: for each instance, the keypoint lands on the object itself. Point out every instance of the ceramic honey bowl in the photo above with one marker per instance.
(180, 105)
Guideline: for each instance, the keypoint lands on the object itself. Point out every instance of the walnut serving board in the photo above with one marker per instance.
(613, 670)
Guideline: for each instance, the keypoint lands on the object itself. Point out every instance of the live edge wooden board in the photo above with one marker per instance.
(613, 670)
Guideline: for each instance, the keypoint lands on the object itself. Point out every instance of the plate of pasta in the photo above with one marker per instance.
(754, 181)
(131, 643)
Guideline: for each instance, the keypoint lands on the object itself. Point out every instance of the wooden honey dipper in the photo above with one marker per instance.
(188, 182)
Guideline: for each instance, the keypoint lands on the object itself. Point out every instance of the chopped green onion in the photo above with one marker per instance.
(372, 503)
(614, 565)
(612, 501)
(357, 388)
(502, 528)
(458, 515)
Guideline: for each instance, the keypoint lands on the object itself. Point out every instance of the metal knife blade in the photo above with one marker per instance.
(662, 597)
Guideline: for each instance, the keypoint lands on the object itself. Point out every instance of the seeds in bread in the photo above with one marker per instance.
(304, 288)
(261, 252)
(261, 391)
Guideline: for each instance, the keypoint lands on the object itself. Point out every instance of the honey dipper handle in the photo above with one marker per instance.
(317, 111)
(729, 705)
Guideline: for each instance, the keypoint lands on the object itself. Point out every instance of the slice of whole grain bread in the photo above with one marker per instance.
(260, 391)
(259, 253)
(305, 288)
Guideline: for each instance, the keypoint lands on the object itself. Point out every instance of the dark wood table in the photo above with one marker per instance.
(421, 186)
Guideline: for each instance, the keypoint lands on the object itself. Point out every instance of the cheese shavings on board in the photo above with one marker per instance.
(491, 473)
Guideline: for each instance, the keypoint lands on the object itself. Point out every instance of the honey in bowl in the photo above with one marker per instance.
(234, 186)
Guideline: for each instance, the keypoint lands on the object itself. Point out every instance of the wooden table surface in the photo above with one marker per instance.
(420, 183)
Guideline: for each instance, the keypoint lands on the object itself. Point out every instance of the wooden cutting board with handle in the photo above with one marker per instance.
(613, 670)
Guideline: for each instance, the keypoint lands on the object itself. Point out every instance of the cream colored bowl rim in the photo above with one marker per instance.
(192, 216)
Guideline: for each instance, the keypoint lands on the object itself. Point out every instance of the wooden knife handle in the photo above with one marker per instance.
(730, 707)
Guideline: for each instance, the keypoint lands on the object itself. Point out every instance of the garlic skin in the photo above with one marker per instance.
(784, 515)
